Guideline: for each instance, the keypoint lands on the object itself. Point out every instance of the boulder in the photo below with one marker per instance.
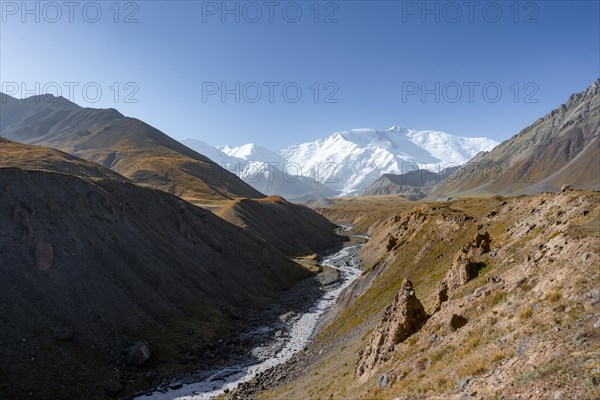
(464, 382)
(113, 386)
(138, 353)
(383, 381)
(44, 255)
(456, 322)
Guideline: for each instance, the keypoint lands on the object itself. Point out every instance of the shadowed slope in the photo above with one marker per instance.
(113, 263)
(292, 228)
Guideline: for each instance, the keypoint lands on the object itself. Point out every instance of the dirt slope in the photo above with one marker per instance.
(90, 266)
(38, 158)
(292, 228)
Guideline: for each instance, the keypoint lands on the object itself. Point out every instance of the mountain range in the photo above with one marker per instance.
(413, 185)
(264, 170)
(127, 257)
(343, 163)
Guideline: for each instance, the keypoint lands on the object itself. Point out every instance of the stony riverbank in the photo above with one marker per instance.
(273, 337)
(294, 367)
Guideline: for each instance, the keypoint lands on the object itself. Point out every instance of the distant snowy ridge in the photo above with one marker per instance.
(263, 169)
(343, 163)
(349, 161)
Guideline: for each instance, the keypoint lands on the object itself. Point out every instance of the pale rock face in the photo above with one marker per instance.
(401, 319)
(464, 268)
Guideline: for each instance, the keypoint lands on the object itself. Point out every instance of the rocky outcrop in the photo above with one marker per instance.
(401, 319)
(535, 299)
(465, 267)
(391, 242)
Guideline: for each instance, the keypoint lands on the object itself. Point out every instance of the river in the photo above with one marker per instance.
(298, 333)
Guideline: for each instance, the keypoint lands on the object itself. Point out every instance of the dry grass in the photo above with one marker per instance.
(524, 313)
(554, 296)
(498, 321)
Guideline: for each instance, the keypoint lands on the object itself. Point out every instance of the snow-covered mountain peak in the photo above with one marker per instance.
(398, 129)
(349, 161)
(253, 152)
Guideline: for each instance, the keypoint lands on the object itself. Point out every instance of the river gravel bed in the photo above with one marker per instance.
(289, 335)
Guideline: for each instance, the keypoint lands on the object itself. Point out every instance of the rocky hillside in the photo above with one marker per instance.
(413, 186)
(294, 229)
(481, 298)
(150, 158)
(108, 287)
(563, 147)
(126, 145)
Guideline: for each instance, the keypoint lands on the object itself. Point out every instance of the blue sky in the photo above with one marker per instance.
(357, 63)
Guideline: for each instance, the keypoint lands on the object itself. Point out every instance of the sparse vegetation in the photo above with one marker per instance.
(516, 316)
(524, 313)
(554, 296)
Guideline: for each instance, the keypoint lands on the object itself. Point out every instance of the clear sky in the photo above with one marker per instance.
(358, 64)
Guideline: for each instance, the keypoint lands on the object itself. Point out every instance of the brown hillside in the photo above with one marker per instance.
(90, 266)
(563, 147)
(128, 146)
(37, 158)
(292, 228)
(510, 288)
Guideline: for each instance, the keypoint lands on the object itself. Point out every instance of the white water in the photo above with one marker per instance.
(300, 332)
